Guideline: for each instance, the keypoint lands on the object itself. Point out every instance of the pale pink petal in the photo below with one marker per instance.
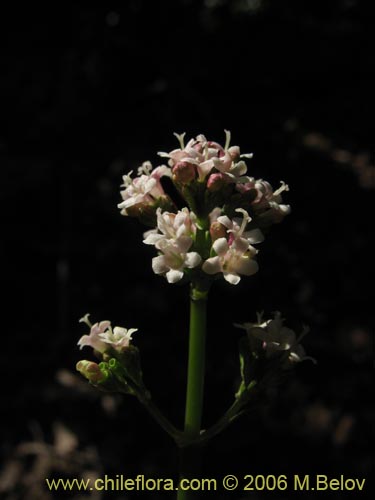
(184, 243)
(162, 171)
(213, 216)
(92, 341)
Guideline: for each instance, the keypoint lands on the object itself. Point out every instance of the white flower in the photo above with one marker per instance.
(174, 258)
(235, 255)
(232, 260)
(119, 338)
(236, 227)
(145, 189)
(174, 239)
(180, 226)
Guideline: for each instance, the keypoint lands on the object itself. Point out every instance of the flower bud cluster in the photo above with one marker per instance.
(206, 238)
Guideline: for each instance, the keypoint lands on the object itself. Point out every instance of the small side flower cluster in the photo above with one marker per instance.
(119, 369)
(104, 339)
(204, 238)
(271, 339)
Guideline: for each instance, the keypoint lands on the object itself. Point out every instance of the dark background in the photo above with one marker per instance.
(87, 94)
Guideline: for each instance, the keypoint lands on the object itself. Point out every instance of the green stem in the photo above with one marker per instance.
(196, 366)
(162, 420)
(195, 386)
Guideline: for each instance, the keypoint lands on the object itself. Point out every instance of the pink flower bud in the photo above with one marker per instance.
(183, 172)
(217, 181)
(90, 370)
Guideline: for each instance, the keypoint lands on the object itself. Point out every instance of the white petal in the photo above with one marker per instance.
(119, 330)
(193, 259)
(225, 220)
(240, 245)
(254, 236)
(204, 169)
(162, 171)
(247, 266)
(232, 278)
(153, 238)
(173, 275)
(220, 246)
(239, 169)
(212, 265)
(220, 166)
(158, 265)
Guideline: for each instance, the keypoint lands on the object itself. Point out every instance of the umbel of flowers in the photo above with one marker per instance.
(206, 216)
(226, 212)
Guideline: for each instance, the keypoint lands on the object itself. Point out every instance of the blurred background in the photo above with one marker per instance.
(88, 93)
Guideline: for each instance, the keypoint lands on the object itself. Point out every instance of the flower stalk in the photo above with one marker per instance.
(196, 363)
(190, 454)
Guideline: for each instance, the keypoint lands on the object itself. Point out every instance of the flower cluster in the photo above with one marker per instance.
(119, 369)
(176, 236)
(204, 238)
(105, 339)
(275, 339)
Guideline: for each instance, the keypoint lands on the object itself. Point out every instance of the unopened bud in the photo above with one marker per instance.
(217, 231)
(91, 371)
(216, 182)
(183, 172)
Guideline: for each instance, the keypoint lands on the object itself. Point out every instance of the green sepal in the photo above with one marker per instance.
(109, 383)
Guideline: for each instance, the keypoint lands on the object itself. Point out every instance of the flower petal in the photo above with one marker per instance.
(193, 259)
(173, 275)
(158, 265)
(212, 265)
(232, 278)
(247, 266)
(254, 236)
(220, 246)
(153, 239)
